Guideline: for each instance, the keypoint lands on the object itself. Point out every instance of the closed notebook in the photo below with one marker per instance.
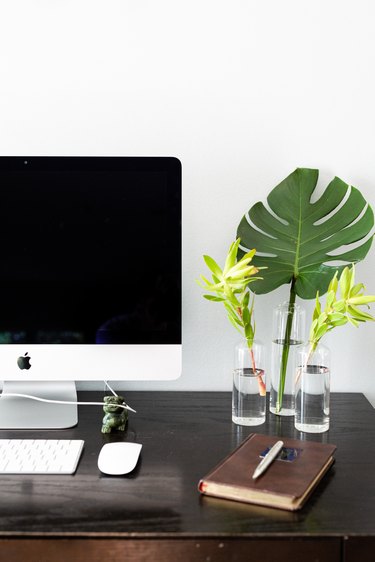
(287, 482)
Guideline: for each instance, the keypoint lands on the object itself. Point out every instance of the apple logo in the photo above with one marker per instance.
(24, 362)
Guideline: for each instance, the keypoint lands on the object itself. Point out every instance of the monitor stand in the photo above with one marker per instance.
(24, 413)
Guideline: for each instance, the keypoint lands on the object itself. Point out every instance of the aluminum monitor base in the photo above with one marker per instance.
(24, 413)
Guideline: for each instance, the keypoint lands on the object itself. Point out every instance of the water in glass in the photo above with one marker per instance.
(248, 405)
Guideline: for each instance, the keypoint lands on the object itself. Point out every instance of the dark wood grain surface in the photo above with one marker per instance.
(184, 434)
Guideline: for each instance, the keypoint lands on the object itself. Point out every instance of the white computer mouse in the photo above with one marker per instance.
(118, 458)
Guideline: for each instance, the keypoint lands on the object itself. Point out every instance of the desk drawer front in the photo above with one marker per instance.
(359, 549)
(162, 550)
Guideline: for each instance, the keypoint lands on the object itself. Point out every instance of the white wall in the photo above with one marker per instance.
(242, 92)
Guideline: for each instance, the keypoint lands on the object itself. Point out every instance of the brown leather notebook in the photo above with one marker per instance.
(287, 482)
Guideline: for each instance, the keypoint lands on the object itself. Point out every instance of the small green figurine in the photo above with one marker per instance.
(115, 418)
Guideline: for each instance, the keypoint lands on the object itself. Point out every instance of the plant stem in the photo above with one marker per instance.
(303, 367)
(252, 358)
(261, 385)
(286, 346)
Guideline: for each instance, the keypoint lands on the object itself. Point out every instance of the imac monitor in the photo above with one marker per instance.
(90, 272)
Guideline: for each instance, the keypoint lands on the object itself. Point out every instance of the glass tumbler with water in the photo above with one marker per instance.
(287, 338)
(312, 389)
(249, 384)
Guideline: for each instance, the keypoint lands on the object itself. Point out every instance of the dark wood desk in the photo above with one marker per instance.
(156, 512)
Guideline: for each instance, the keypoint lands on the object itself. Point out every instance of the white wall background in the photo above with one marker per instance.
(243, 92)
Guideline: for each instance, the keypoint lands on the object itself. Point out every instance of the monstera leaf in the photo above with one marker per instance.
(296, 239)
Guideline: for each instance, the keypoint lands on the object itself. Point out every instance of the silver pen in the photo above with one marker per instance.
(268, 459)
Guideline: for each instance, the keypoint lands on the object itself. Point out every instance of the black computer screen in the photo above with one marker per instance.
(90, 250)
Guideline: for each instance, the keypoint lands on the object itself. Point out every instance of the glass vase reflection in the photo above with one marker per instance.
(287, 339)
(249, 384)
(313, 390)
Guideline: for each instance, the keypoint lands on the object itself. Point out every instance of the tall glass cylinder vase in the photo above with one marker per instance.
(312, 387)
(249, 384)
(288, 336)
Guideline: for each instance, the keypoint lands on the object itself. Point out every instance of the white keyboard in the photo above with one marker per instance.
(39, 456)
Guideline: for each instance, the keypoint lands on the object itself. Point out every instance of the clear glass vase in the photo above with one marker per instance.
(312, 387)
(287, 338)
(249, 384)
